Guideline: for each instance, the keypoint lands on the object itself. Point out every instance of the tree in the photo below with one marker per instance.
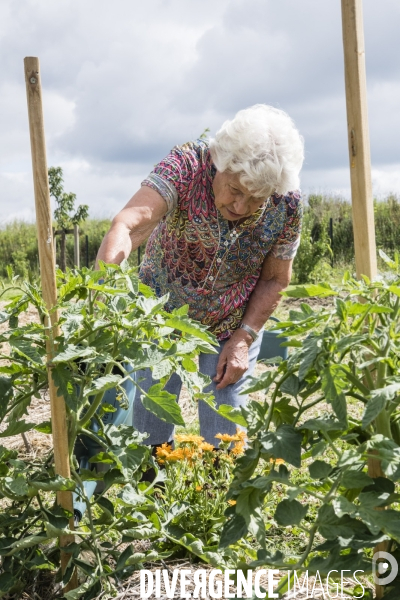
(65, 206)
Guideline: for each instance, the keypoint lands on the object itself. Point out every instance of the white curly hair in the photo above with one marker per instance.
(263, 146)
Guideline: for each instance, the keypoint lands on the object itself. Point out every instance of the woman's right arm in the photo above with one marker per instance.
(132, 226)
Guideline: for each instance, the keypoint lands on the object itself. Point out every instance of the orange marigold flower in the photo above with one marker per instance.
(182, 453)
(206, 447)
(175, 455)
(199, 488)
(162, 452)
(238, 449)
(277, 461)
(183, 438)
(224, 437)
(240, 436)
(232, 502)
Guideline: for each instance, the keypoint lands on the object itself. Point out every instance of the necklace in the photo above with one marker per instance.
(223, 249)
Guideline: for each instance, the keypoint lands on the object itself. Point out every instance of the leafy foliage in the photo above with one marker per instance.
(112, 326)
(345, 368)
(65, 202)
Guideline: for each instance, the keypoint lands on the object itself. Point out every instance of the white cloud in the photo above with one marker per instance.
(125, 81)
(386, 180)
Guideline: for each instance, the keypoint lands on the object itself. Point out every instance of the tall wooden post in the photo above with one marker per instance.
(358, 135)
(360, 163)
(48, 279)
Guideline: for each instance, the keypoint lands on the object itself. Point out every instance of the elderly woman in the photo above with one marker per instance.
(224, 224)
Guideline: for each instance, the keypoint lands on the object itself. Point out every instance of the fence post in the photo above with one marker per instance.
(55, 246)
(87, 250)
(76, 247)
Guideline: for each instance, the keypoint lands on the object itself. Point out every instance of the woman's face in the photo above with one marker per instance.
(232, 199)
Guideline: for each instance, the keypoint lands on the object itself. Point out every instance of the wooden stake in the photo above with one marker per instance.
(358, 135)
(48, 279)
(360, 164)
(76, 247)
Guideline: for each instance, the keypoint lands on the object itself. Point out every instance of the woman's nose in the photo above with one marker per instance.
(240, 206)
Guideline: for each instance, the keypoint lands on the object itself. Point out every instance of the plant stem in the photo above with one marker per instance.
(95, 404)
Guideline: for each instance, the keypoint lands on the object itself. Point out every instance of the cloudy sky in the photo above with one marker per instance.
(124, 81)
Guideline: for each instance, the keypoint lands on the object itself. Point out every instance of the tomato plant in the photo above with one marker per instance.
(334, 408)
(111, 326)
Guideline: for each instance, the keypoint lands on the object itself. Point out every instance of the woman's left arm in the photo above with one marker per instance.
(274, 278)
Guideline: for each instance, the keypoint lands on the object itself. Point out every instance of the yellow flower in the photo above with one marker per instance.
(199, 488)
(162, 452)
(277, 461)
(182, 453)
(206, 447)
(174, 456)
(232, 502)
(240, 436)
(182, 438)
(238, 449)
(224, 437)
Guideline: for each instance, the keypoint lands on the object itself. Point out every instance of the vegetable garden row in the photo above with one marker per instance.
(326, 416)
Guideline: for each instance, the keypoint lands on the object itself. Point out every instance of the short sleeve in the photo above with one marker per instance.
(172, 177)
(288, 242)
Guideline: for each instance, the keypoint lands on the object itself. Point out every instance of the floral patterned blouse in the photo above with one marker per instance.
(193, 254)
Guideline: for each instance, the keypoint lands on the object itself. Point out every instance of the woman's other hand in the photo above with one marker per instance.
(234, 359)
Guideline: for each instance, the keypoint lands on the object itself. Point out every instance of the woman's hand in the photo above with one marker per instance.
(234, 359)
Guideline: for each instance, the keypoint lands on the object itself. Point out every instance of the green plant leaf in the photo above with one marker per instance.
(6, 394)
(333, 383)
(150, 306)
(19, 485)
(186, 325)
(163, 405)
(311, 349)
(355, 479)
(378, 401)
(27, 349)
(308, 291)
(162, 369)
(291, 386)
(101, 384)
(283, 443)
(90, 585)
(7, 582)
(44, 427)
(262, 382)
(72, 353)
(189, 365)
(62, 378)
(27, 542)
(232, 414)
(54, 484)
(328, 424)
(319, 469)
(290, 512)
(17, 427)
(234, 529)
(284, 412)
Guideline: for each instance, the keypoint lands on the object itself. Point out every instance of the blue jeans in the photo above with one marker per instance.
(210, 423)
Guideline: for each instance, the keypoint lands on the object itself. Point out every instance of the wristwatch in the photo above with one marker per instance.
(250, 331)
